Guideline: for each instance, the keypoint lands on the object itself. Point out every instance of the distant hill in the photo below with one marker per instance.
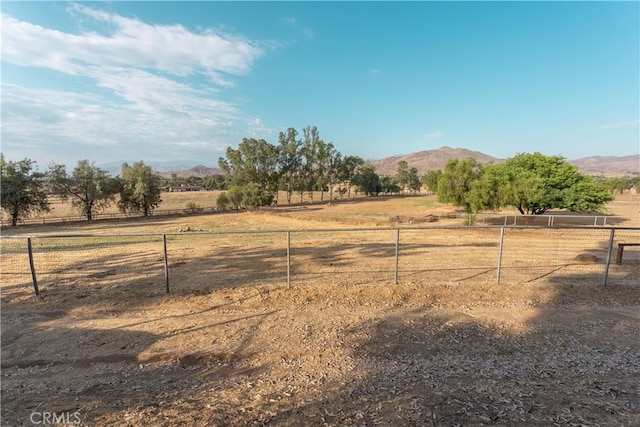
(199, 171)
(426, 161)
(609, 165)
(429, 160)
(181, 168)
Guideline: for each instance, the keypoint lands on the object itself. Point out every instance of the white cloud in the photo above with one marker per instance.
(52, 124)
(435, 134)
(142, 103)
(132, 43)
(619, 125)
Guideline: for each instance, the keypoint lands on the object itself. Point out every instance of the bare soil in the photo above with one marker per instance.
(233, 345)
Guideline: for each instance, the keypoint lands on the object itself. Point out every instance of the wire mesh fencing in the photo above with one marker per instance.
(133, 265)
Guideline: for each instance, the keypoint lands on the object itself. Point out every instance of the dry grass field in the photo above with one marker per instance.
(232, 344)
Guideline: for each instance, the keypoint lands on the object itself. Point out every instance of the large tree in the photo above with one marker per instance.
(389, 185)
(532, 183)
(456, 181)
(347, 171)
(22, 189)
(332, 163)
(140, 189)
(90, 188)
(310, 150)
(367, 180)
(289, 160)
(254, 196)
(256, 161)
(407, 178)
(535, 183)
(430, 180)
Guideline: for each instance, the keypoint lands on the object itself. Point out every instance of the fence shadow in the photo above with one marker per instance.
(119, 366)
(520, 355)
(555, 350)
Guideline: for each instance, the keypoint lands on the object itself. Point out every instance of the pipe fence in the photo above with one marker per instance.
(148, 264)
(5, 221)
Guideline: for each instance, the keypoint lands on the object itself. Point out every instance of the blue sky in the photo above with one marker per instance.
(182, 81)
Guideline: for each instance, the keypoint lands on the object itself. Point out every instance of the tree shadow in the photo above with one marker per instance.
(119, 366)
(564, 351)
(572, 360)
(131, 270)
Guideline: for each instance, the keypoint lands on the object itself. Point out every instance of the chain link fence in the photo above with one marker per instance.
(137, 265)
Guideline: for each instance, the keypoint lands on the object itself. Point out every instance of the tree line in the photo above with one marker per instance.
(252, 175)
(303, 164)
(299, 165)
(90, 189)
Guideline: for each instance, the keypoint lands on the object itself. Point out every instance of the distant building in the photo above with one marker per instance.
(182, 188)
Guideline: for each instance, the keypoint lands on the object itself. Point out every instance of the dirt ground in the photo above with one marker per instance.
(331, 349)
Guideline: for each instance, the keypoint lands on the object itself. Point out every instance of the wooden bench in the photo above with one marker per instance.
(621, 250)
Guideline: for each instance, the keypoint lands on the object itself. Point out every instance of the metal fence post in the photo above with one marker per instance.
(166, 263)
(500, 255)
(288, 259)
(397, 254)
(33, 268)
(608, 263)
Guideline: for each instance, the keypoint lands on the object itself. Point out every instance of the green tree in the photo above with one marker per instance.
(255, 160)
(254, 196)
(430, 180)
(235, 195)
(586, 195)
(389, 185)
(532, 183)
(367, 180)
(214, 182)
(320, 170)
(402, 175)
(455, 183)
(140, 189)
(90, 188)
(615, 185)
(407, 178)
(22, 190)
(414, 182)
(222, 202)
(347, 171)
(332, 163)
(289, 160)
(536, 183)
(310, 171)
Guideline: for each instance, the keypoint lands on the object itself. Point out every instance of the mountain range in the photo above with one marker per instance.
(424, 161)
(428, 160)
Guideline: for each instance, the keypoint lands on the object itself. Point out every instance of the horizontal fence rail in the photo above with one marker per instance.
(198, 261)
(106, 216)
